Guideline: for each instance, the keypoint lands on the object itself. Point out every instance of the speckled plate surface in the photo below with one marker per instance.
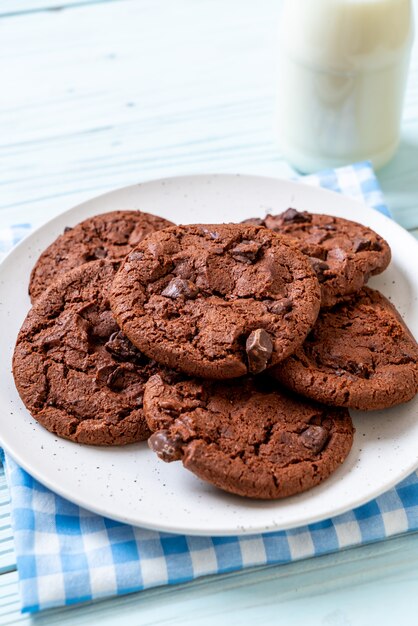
(130, 484)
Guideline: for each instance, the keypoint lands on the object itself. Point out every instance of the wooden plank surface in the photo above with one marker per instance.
(13, 8)
(99, 95)
(138, 109)
(104, 95)
(7, 556)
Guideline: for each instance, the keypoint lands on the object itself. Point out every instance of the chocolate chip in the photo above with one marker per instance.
(113, 377)
(103, 372)
(246, 251)
(154, 247)
(212, 233)
(319, 267)
(259, 347)
(359, 369)
(115, 380)
(122, 349)
(178, 287)
(338, 254)
(297, 217)
(254, 221)
(67, 229)
(170, 406)
(314, 438)
(99, 253)
(271, 222)
(330, 227)
(360, 244)
(317, 237)
(167, 448)
(135, 255)
(50, 340)
(280, 307)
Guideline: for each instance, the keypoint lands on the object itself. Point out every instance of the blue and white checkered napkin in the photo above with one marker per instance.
(67, 555)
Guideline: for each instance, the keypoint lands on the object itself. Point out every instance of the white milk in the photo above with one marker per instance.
(342, 75)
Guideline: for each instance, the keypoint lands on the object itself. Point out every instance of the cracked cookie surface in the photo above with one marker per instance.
(75, 371)
(216, 301)
(245, 436)
(344, 254)
(106, 236)
(360, 354)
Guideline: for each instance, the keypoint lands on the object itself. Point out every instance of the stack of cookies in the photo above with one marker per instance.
(235, 348)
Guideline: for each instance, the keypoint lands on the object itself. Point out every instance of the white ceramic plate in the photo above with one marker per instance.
(130, 484)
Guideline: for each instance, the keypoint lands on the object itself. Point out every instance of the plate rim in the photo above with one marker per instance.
(288, 182)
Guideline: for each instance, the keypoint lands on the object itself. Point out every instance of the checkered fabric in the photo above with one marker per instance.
(67, 555)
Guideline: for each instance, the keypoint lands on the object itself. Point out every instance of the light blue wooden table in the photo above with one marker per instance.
(100, 94)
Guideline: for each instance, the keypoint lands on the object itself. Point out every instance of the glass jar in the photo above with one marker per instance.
(342, 74)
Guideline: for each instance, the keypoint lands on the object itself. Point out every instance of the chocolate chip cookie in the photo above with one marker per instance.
(245, 437)
(216, 301)
(344, 254)
(107, 236)
(360, 354)
(75, 371)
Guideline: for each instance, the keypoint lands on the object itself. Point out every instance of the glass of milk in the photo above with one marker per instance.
(342, 74)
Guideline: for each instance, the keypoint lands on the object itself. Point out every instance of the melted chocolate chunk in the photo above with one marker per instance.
(292, 215)
(280, 307)
(99, 253)
(315, 438)
(358, 369)
(136, 256)
(103, 373)
(123, 350)
(166, 447)
(115, 380)
(259, 347)
(337, 254)
(246, 251)
(179, 287)
(254, 221)
(359, 245)
(212, 233)
(170, 406)
(319, 267)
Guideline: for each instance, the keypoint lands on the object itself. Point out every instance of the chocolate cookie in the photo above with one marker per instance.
(75, 371)
(246, 438)
(344, 254)
(359, 354)
(110, 235)
(216, 301)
